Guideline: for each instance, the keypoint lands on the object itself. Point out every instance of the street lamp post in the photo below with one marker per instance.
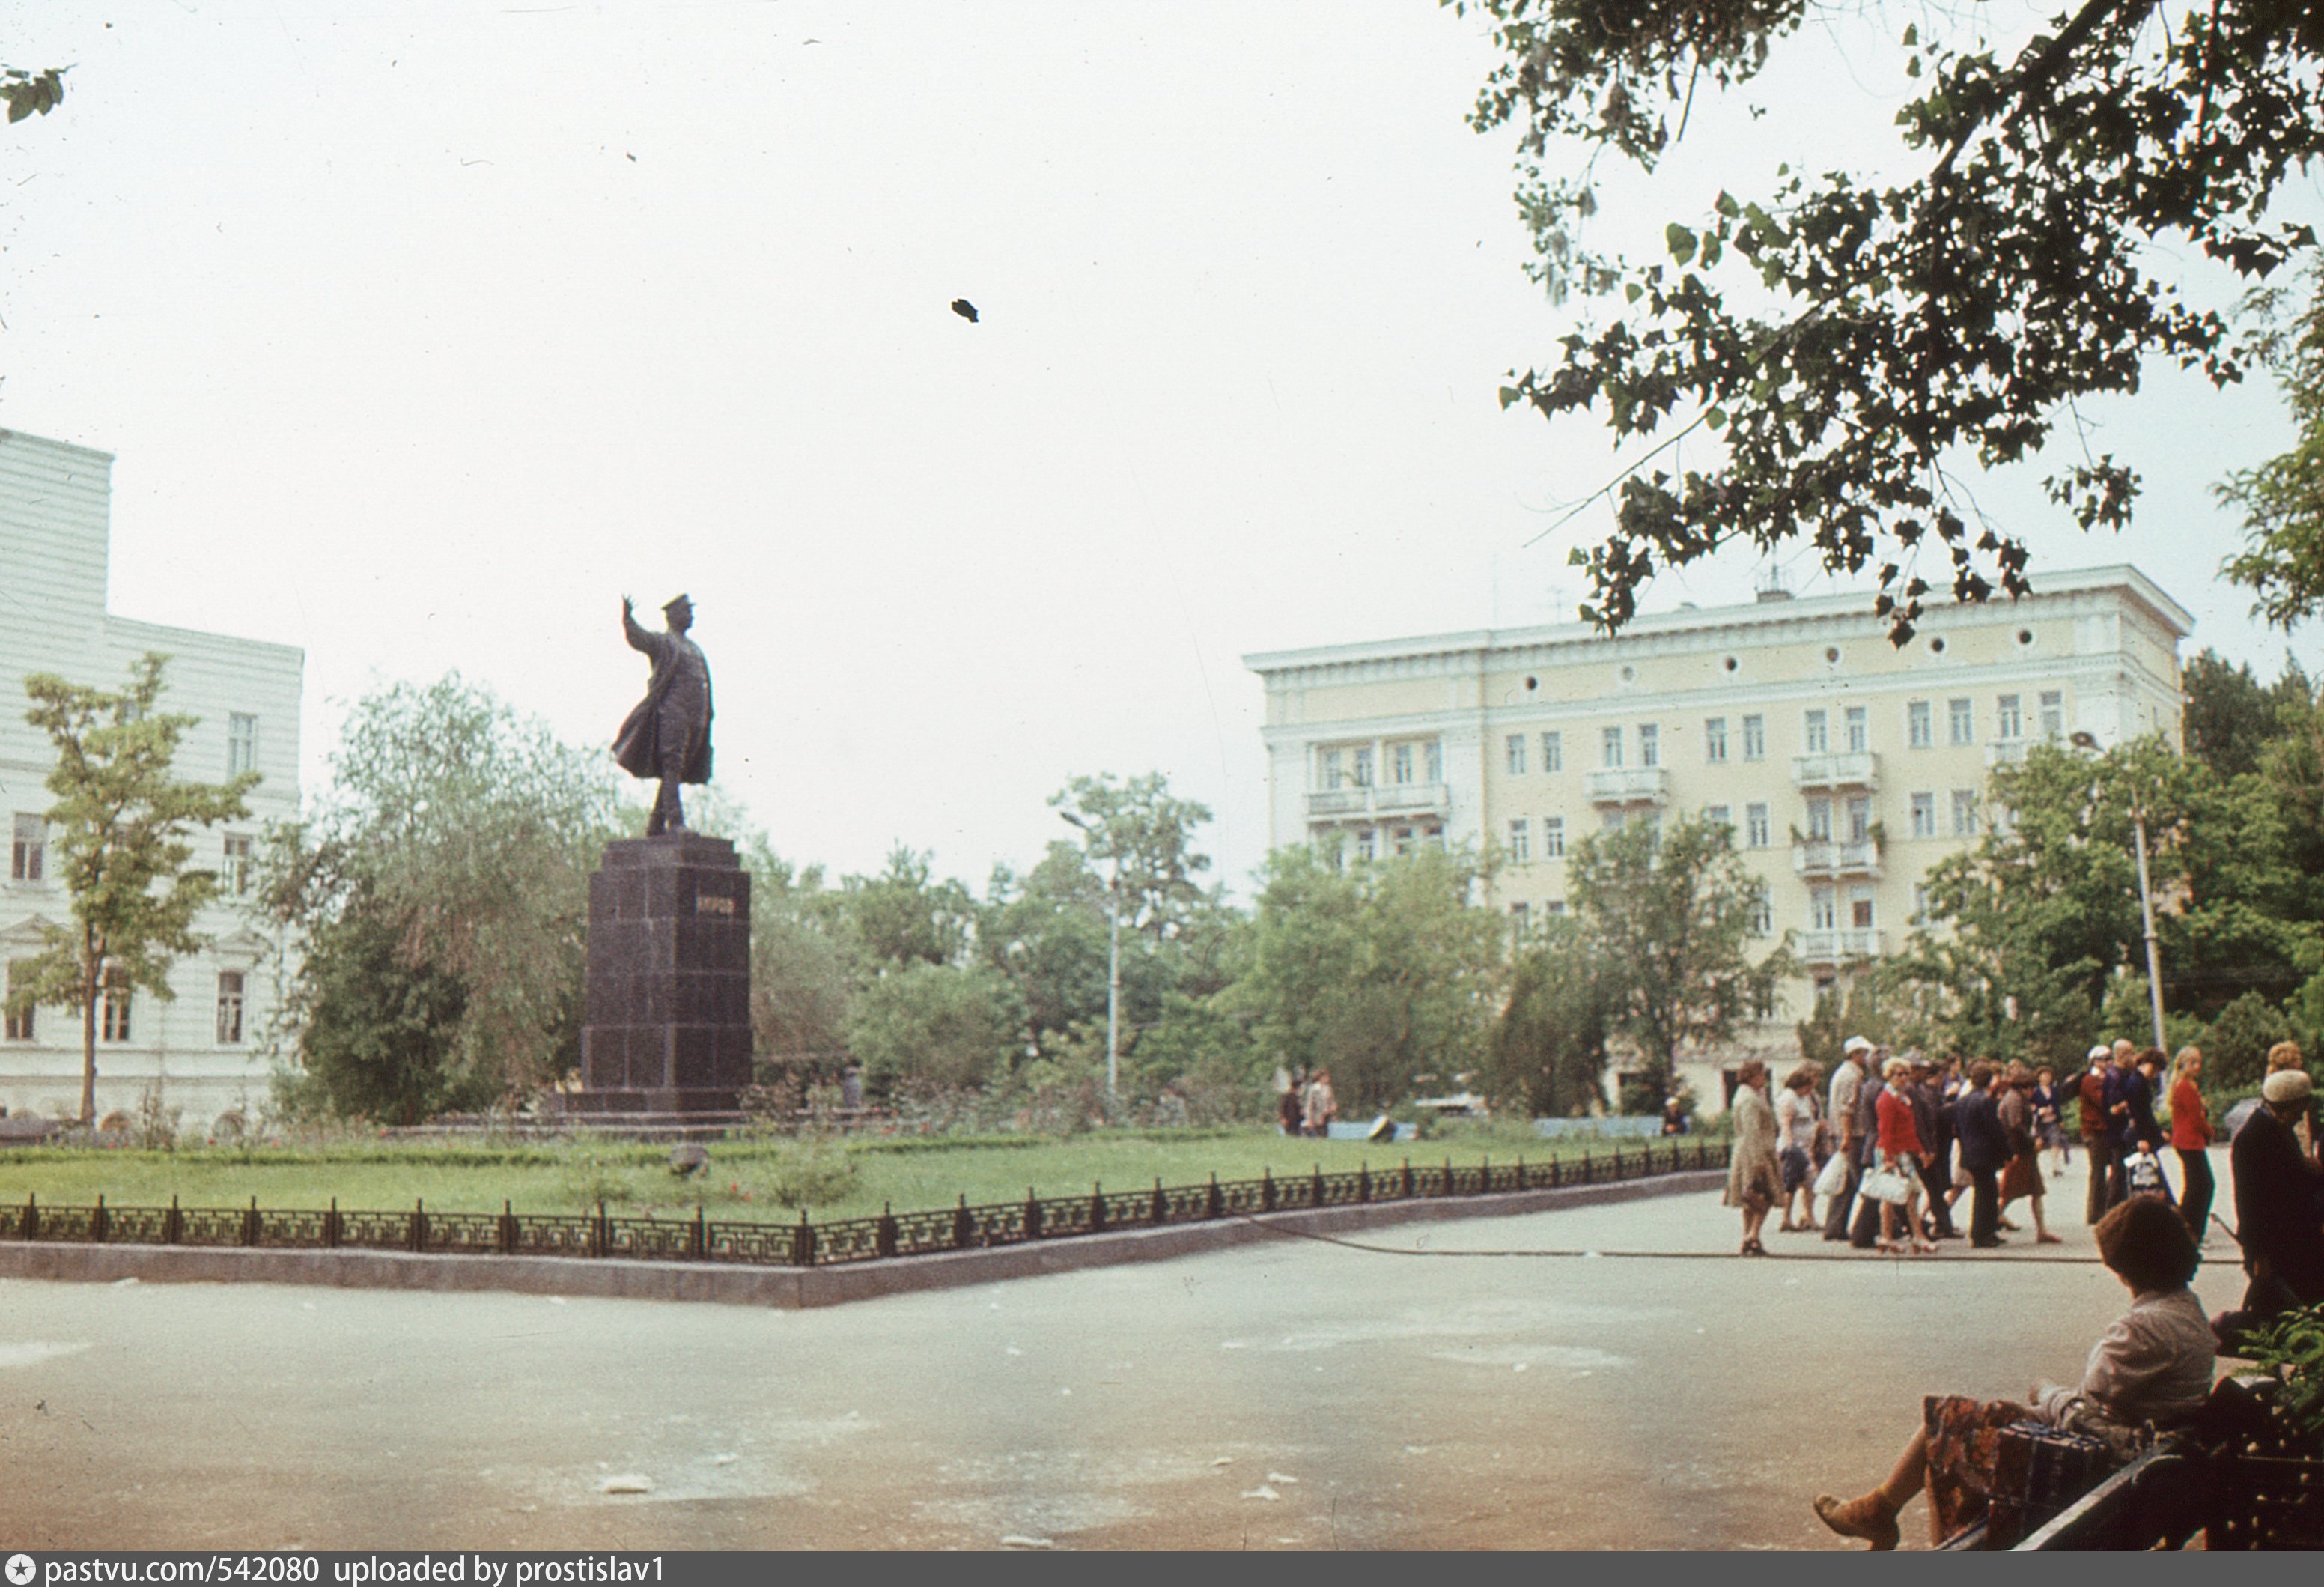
(2089, 742)
(1113, 962)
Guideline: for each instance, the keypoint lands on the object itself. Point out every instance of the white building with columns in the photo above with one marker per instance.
(200, 1051)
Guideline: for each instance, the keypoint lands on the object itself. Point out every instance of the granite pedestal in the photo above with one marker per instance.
(667, 1020)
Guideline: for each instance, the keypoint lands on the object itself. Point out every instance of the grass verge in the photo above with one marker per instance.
(745, 1179)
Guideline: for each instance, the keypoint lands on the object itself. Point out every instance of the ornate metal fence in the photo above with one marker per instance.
(805, 1243)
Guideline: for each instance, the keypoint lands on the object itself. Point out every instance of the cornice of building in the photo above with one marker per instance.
(1823, 617)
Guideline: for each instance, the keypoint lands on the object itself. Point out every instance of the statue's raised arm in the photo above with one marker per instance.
(667, 736)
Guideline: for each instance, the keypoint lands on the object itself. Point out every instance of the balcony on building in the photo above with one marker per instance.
(1827, 772)
(1630, 785)
(1387, 799)
(1840, 948)
(1829, 860)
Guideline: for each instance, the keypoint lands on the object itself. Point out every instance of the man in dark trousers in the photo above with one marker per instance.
(1865, 1233)
(1935, 1120)
(1848, 1082)
(1984, 1148)
(2097, 1131)
(2279, 1208)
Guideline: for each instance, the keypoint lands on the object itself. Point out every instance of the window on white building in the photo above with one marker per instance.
(1432, 757)
(29, 853)
(1610, 747)
(1823, 909)
(1614, 820)
(13, 1025)
(1762, 918)
(1552, 838)
(1520, 912)
(1964, 812)
(1400, 764)
(1756, 826)
(1755, 738)
(1516, 746)
(1399, 839)
(1961, 723)
(1328, 770)
(1860, 909)
(1860, 730)
(2007, 725)
(229, 1007)
(234, 872)
(1819, 820)
(1520, 840)
(1924, 815)
(1650, 745)
(1363, 760)
(1919, 903)
(1714, 739)
(1716, 815)
(1555, 906)
(2054, 713)
(1817, 737)
(1367, 844)
(1553, 751)
(1860, 820)
(1920, 731)
(241, 743)
(115, 1022)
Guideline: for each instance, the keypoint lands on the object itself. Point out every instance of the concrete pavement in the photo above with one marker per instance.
(1289, 1394)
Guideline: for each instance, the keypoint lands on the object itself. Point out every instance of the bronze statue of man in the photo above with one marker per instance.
(667, 736)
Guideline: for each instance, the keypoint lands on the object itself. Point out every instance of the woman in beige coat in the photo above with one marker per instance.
(1754, 1179)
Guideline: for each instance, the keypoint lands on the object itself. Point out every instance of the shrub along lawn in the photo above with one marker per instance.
(746, 1179)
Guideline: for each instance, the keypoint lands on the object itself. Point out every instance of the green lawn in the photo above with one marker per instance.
(745, 1179)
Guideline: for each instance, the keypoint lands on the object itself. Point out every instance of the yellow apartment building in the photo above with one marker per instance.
(1846, 765)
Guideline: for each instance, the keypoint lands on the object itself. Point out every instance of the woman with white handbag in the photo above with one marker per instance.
(1893, 1181)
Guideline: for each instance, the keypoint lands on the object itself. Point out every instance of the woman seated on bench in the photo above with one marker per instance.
(2154, 1365)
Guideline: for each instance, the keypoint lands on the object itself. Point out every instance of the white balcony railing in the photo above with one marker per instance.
(1838, 948)
(1851, 768)
(1630, 785)
(1824, 857)
(1401, 798)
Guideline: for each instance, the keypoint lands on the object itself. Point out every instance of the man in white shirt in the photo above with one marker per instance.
(1847, 1085)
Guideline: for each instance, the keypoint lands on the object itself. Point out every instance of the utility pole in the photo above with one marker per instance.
(2146, 909)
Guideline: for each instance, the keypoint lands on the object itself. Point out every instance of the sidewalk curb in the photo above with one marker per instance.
(785, 1288)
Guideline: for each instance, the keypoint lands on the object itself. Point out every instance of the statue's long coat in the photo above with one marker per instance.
(657, 720)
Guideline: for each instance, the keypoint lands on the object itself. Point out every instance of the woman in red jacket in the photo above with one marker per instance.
(1900, 1151)
(2191, 1137)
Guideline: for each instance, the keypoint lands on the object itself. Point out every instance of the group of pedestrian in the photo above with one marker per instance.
(1900, 1137)
(1305, 1104)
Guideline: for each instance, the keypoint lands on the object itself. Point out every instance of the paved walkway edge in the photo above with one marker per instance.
(786, 1288)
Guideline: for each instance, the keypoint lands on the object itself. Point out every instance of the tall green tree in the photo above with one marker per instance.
(439, 902)
(2229, 716)
(121, 821)
(1670, 909)
(1382, 971)
(1548, 1050)
(1144, 836)
(1841, 345)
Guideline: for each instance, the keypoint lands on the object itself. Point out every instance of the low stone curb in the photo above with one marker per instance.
(788, 1288)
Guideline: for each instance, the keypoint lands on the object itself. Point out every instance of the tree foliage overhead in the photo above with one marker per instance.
(2283, 499)
(1965, 309)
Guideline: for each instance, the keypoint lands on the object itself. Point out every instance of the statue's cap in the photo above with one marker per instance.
(684, 600)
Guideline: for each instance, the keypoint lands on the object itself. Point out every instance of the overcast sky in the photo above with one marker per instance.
(424, 332)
